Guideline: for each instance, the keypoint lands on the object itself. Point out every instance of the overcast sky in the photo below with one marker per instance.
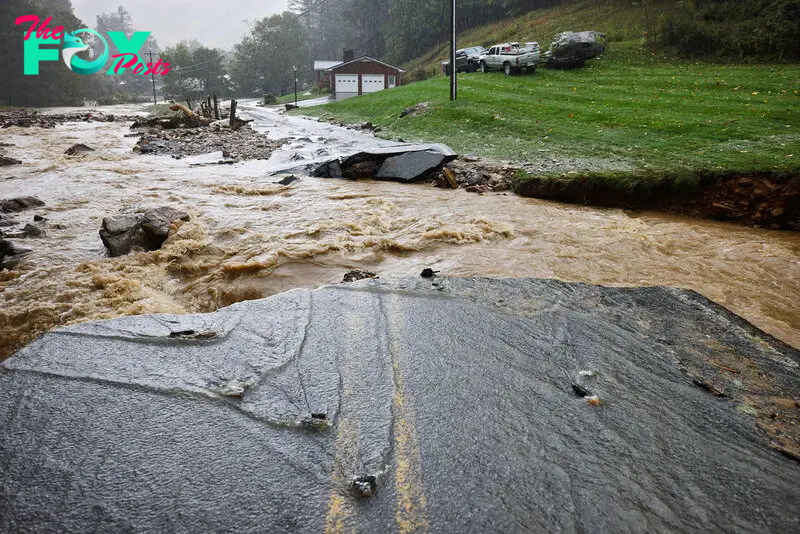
(215, 23)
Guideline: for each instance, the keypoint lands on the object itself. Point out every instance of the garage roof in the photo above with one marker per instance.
(325, 65)
(363, 58)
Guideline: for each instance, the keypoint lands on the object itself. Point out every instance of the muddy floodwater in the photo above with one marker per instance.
(249, 238)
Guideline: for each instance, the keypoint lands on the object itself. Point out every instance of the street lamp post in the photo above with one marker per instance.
(294, 68)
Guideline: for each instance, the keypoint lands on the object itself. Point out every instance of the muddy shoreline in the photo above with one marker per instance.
(764, 199)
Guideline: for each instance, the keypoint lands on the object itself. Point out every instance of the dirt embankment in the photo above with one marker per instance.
(770, 200)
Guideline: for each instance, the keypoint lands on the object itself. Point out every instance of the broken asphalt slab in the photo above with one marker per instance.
(438, 404)
(404, 163)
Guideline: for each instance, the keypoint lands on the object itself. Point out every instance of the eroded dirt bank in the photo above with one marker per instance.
(770, 200)
(249, 237)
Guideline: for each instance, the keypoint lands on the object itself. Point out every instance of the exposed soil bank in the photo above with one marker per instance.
(766, 199)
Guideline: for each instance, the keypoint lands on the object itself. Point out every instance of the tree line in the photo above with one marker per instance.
(394, 31)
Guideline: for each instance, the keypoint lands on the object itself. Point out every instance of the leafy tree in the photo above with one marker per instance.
(122, 21)
(55, 84)
(263, 61)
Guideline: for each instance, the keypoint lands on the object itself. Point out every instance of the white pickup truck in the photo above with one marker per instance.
(511, 58)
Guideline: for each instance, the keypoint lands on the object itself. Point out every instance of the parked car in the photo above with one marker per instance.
(467, 60)
(511, 58)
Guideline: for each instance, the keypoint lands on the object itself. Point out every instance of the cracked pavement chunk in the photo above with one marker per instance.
(468, 423)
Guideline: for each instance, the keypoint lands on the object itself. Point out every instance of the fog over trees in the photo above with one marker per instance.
(394, 31)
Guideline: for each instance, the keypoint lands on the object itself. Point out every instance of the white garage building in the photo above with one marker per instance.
(363, 75)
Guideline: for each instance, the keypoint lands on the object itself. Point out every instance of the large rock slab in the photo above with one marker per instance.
(122, 234)
(126, 233)
(403, 163)
(412, 166)
(458, 402)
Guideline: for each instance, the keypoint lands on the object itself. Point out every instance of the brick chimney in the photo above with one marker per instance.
(348, 55)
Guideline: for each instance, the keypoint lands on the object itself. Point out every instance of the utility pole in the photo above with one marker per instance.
(294, 68)
(453, 80)
(153, 77)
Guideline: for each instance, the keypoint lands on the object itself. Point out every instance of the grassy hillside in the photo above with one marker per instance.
(619, 22)
(730, 30)
(632, 110)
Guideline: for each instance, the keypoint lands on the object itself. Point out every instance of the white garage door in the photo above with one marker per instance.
(347, 83)
(372, 82)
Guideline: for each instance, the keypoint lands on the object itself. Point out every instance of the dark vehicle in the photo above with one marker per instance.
(467, 60)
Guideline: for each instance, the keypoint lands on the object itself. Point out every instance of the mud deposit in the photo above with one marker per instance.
(769, 200)
(249, 237)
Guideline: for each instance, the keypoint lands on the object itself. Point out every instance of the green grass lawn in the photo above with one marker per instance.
(289, 99)
(638, 111)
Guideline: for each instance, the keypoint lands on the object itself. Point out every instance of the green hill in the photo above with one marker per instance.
(751, 31)
(620, 22)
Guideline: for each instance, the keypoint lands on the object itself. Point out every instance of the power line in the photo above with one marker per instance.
(191, 68)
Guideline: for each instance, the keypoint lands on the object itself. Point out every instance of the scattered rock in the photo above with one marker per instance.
(355, 275)
(11, 254)
(365, 485)
(480, 189)
(269, 99)
(33, 230)
(156, 224)
(19, 204)
(428, 273)
(122, 233)
(414, 109)
(367, 126)
(110, 118)
(78, 148)
(38, 218)
(290, 107)
(6, 161)
(287, 180)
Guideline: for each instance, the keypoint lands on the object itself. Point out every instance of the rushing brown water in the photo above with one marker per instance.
(249, 238)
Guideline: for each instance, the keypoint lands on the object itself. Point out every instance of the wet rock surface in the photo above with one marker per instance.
(132, 232)
(11, 253)
(13, 205)
(77, 149)
(441, 397)
(6, 161)
(241, 144)
(404, 164)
